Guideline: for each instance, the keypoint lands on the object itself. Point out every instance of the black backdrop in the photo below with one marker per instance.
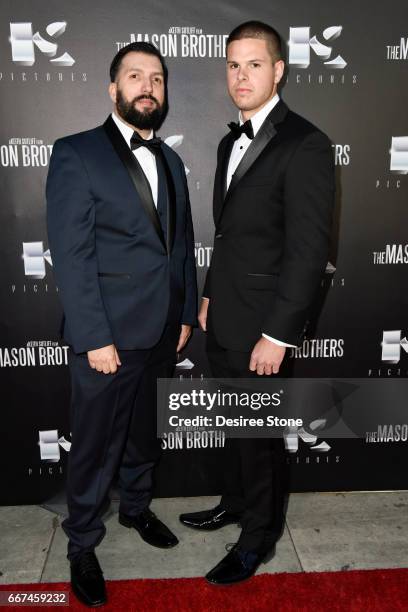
(54, 59)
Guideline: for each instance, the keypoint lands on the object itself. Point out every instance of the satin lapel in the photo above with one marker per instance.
(263, 137)
(171, 202)
(137, 175)
(220, 189)
(224, 169)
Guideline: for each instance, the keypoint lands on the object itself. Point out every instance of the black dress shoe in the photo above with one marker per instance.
(87, 580)
(209, 520)
(238, 565)
(150, 528)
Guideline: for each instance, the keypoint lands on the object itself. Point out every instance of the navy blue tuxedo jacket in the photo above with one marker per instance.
(120, 279)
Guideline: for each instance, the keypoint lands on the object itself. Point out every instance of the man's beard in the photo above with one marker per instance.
(145, 120)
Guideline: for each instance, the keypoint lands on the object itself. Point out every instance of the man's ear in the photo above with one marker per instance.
(112, 92)
(279, 70)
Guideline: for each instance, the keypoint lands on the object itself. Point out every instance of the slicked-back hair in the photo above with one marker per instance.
(263, 31)
(138, 47)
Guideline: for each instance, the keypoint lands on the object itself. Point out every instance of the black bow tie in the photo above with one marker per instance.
(237, 130)
(153, 144)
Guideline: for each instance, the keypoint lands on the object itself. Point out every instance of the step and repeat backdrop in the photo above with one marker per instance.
(347, 73)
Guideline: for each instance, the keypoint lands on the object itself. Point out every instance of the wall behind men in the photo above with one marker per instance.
(346, 73)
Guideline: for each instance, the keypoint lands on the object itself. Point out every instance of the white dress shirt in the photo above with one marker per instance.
(239, 149)
(241, 145)
(146, 158)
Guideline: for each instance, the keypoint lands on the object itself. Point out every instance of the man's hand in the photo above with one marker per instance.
(184, 336)
(105, 359)
(266, 357)
(202, 315)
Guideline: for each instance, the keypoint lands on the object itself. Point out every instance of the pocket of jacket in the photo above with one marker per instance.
(114, 274)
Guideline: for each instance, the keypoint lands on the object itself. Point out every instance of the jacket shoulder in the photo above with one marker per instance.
(172, 155)
(81, 139)
(302, 128)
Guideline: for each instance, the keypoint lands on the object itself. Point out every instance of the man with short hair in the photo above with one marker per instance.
(273, 203)
(121, 239)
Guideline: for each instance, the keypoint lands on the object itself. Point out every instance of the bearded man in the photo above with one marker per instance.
(121, 239)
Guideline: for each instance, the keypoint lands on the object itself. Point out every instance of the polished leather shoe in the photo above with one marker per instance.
(87, 580)
(238, 565)
(150, 528)
(209, 520)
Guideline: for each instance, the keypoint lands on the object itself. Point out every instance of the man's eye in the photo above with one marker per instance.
(255, 65)
(134, 76)
(233, 66)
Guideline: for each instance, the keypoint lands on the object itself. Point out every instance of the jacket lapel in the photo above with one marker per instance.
(137, 175)
(220, 182)
(263, 138)
(225, 160)
(171, 201)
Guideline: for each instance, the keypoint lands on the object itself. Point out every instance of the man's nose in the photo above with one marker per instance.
(242, 74)
(147, 86)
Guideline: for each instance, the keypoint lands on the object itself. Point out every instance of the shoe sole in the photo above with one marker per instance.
(229, 584)
(210, 528)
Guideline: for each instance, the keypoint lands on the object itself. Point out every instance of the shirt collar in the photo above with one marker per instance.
(259, 117)
(125, 130)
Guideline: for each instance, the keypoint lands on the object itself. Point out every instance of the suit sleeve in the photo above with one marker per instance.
(189, 316)
(71, 235)
(207, 283)
(308, 209)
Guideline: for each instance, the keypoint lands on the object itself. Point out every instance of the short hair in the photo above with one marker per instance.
(135, 47)
(263, 31)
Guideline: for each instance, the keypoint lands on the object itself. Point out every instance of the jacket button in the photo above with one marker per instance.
(218, 235)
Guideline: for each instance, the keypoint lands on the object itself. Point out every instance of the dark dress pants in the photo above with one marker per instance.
(113, 426)
(255, 470)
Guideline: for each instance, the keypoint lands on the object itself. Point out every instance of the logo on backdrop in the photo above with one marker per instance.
(393, 345)
(300, 43)
(341, 154)
(174, 142)
(388, 433)
(393, 254)
(182, 41)
(309, 441)
(319, 348)
(330, 279)
(202, 255)
(292, 435)
(398, 152)
(34, 258)
(398, 51)
(25, 152)
(28, 47)
(176, 440)
(186, 364)
(36, 264)
(305, 48)
(35, 353)
(23, 43)
(50, 445)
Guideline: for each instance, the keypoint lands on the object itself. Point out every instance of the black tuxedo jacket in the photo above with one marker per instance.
(272, 232)
(120, 276)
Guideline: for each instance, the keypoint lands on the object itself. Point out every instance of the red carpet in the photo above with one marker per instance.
(352, 591)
